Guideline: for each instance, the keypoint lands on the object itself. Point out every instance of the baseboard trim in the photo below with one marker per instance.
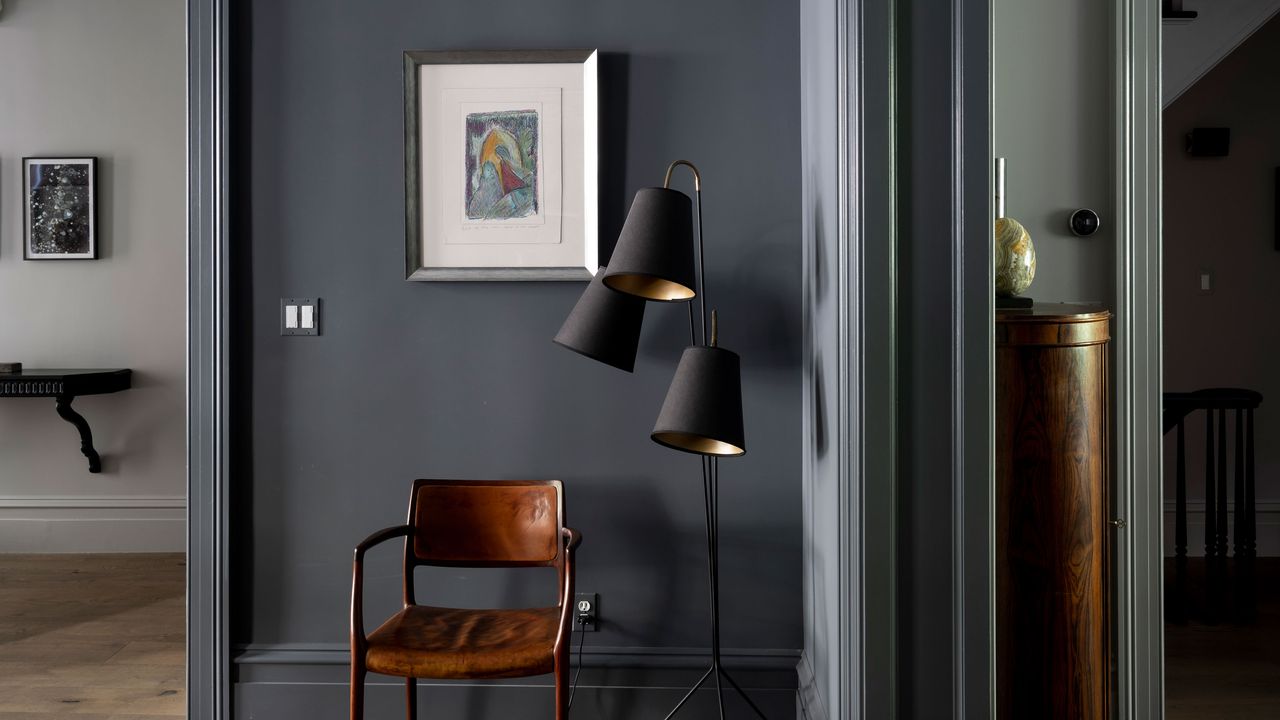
(621, 683)
(673, 658)
(134, 501)
(809, 702)
(1267, 519)
(94, 524)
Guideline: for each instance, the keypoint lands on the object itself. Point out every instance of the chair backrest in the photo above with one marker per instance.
(486, 523)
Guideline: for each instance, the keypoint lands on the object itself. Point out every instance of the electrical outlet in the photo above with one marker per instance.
(586, 612)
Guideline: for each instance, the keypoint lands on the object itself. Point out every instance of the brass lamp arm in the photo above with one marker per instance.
(697, 177)
(701, 291)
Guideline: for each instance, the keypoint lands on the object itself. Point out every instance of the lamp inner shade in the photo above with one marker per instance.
(696, 444)
(651, 288)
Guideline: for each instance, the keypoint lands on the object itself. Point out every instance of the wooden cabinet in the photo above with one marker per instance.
(1052, 554)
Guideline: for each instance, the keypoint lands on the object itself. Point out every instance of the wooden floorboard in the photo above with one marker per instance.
(92, 637)
(102, 637)
(1228, 670)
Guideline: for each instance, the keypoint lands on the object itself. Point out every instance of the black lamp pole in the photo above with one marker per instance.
(702, 413)
(710, 464)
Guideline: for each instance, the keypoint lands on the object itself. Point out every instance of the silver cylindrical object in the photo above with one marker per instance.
(999, 187)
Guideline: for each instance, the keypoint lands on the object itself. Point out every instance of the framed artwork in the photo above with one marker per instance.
(500, 165)
(60, 218)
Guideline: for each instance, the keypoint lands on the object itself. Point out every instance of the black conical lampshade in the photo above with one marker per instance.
(604, 325)
(703, 410)
(654, 255)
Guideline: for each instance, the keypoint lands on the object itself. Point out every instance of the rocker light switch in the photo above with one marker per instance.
(300, 316)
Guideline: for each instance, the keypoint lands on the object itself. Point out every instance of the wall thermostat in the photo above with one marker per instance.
(1085, 222)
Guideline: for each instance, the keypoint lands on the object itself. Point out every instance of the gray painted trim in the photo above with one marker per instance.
(973, 390)
(867, 382)
(208, 657)
(863, 432)
(1138, 363)
(868, 362)
(809, 702)
(596, 657)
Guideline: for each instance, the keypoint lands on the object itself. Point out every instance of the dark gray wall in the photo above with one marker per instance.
(462, 380)
(1219, 216)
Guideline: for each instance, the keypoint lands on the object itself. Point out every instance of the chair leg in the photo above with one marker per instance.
(562, 689)
(357, 691)
(411, 697)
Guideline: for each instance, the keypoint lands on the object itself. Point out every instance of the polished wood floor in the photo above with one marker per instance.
(1228, 670)
(92, 637)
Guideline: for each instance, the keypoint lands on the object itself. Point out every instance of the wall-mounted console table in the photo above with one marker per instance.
(64, 386)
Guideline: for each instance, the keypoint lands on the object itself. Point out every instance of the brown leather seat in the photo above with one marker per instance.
(479, 524)
(432, 642)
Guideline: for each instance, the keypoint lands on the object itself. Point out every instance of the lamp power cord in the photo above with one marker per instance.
(582, 639)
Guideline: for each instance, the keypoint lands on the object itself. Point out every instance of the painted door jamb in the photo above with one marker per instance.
(1138, 362)
(208, 649)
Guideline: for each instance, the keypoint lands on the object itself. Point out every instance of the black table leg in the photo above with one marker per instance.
(1221, 523)
(86, 436)
(1177, 608)
(1250, 526)
(1210, 522)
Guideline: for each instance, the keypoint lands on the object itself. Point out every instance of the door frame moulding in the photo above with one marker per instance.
(1138, 360)
(855, 270)
(866, 367)
(865, 389)
(973, 343)
(208, 649)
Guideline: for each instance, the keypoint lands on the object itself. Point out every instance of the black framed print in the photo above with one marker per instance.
(60, 208)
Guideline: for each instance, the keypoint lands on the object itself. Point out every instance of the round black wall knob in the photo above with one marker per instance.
(1085, 222)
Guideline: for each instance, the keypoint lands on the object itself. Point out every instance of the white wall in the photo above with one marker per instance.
(1192, 49)
(1052, 119)
(107, 79)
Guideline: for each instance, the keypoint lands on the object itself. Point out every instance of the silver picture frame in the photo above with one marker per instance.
(423, 245)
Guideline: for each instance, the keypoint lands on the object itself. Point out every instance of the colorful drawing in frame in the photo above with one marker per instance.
(502, 165)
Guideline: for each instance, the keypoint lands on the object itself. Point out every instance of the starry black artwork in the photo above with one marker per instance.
(60, 208)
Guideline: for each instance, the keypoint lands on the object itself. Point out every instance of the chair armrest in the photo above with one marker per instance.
(357, 579)
(572, 539)
(381, 536)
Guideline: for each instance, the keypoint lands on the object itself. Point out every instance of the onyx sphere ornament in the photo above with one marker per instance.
(1015, 257)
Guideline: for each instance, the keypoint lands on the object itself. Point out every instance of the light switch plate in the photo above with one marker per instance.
(295, 314)
(1205, 281)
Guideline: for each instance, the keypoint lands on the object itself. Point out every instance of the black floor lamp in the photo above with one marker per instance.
(702, 414)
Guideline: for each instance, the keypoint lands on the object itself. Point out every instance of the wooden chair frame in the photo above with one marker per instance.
(569, 539)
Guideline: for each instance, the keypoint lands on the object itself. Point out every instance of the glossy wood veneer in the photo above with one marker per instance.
(1051, 512)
